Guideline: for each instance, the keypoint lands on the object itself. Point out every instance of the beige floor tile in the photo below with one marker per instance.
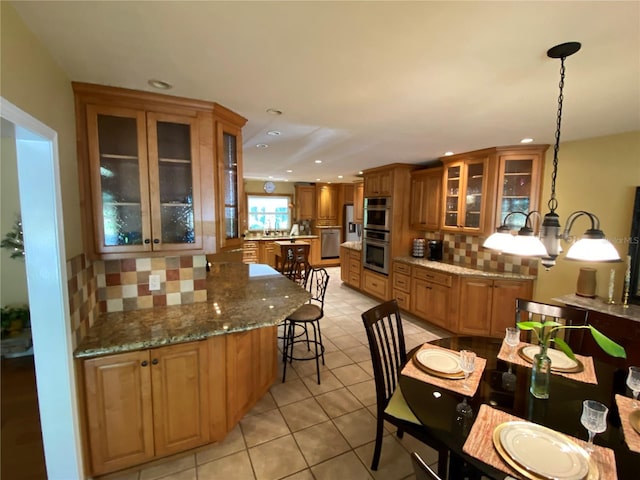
(328, 382)
(232, 467)
(277, 459)
(336, 359)
(232, 443)
(346, 341)
(345, 466)
(263, 427)
(124, 475)
(338, 402)
(365, 392)
(320, 442)
(289, 392)
(357, 427)
(303, 414)
(303, 475)
(359, 353)
(351, 374)
(184, 475)
(169, 467)
(395, 461)
(265, 404)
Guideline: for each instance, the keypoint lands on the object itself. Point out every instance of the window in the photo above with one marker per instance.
(269, 212)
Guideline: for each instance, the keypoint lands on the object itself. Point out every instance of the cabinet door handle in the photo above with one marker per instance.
(155, 240)
(144, 363)
(154, 361)
(147, 241)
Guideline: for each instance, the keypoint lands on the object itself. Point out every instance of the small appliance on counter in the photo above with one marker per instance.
(434, 250)
(418, 247)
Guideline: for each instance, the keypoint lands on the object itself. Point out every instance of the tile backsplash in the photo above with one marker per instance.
(123, 285)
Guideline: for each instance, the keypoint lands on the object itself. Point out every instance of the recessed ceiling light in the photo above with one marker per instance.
(339, 176)
(274, 133)
(317, 161)
(262, 145)
(274, 111)
(360, 172)
(448, 154)
(270, 176)
(289, 171)
(526, 140)
(160, 85)
(317, 179)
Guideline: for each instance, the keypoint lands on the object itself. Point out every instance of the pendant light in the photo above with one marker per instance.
(593, 246)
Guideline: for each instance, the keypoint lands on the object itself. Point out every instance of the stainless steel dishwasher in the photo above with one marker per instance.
(330, 243)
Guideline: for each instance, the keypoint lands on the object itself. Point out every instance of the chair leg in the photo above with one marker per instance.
(378, 447)
(315, 344)
(443, 462)
(288, 339)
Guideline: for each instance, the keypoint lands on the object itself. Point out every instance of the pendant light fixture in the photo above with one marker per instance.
(592, 247)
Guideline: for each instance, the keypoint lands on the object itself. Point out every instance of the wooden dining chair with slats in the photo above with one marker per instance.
(383, 325)
(529, 310)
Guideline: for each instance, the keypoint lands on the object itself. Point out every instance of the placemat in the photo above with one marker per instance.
(411, 370)
(625, 407)
(479, 444)
(588, 375)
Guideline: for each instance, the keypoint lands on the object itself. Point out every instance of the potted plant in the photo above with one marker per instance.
(546, 333)
(14, 319)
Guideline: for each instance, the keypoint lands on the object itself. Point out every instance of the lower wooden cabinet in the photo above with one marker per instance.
(375, 284)
(402, 284)
(145, 404)
(350, 266)
(152, 403)
(488, 306)
(432, 297)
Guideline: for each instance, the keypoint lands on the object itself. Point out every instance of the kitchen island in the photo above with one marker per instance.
(164, 380)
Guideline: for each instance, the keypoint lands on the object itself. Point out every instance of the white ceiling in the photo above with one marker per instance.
(363, 84)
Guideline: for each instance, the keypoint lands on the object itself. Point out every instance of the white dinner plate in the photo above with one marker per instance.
(543, 451)
(559, 359)
(441, 361)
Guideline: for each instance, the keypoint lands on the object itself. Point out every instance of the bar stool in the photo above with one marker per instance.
(307, 316)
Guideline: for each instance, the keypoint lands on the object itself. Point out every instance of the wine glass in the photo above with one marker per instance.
(594, 419)
(512, 338)
(633, 382)
(467, 364)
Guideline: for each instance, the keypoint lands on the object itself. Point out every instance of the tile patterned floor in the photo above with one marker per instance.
(303, 431)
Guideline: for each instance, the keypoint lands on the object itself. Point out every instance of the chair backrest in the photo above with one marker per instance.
(295, 265)
(388, 352)
(528, 310)
(316, 282)
(421, 469)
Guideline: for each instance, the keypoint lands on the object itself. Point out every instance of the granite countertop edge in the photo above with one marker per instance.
(462, 270)
(277, 238)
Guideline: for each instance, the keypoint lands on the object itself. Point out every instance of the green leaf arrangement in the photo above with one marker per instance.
(544, 334)
(14, 240)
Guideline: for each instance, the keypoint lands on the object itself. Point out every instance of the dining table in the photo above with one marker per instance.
(449, 415)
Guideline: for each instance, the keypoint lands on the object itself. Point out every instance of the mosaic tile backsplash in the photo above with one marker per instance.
(123, 285)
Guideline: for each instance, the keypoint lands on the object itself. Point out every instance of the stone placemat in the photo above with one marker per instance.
(457, 385)
(479, 444)
(587, 375)
(625, 407)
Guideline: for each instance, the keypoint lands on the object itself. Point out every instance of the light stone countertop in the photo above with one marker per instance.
(352, 245)
(632, 312)
(277, 238)
(462, 270)
(239, 297)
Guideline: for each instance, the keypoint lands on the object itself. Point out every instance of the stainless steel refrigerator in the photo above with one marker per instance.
(352, 231)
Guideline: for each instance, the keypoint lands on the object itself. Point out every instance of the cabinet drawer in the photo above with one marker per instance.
(374, 284)
(354, 265)
(433, 276)
(402, 268)
(401, 282)
(354, 279)
(403, 299)
(250, 246)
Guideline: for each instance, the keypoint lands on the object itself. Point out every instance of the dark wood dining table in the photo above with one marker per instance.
(436, 408)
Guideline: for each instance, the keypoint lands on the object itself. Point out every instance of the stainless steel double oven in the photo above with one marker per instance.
(377, 234)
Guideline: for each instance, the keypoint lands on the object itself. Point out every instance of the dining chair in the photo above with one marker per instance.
(383, 325)
(421, 469)
(295, 262)
(307, 316)
(528, 310)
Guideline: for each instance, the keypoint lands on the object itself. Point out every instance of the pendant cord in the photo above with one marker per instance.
(553, 203)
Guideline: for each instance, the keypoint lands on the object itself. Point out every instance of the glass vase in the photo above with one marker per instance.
(541, 374)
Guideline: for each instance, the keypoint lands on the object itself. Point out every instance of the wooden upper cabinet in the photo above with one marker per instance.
(378, 183)
(358, 203)
(305, 202)
(426, 188)
(327, 204)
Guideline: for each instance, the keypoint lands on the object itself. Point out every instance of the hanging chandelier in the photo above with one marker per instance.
(592, 247)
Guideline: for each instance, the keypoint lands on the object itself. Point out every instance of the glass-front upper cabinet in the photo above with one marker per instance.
(465, 184)
(518, 185)
(143, 169)
(231, 219)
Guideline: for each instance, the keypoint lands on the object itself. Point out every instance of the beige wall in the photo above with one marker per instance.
(256, 186)
(598, 175)
(31, 80)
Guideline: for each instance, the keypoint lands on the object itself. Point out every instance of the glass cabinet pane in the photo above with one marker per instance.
(473, 195)
(119, 180)
(230, 179)
(175, 180)
(453, 190)
(516, 190)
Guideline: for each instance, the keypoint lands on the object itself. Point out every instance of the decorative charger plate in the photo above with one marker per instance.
(539, 453)
(559, 360)
(440, 363)
(634, 420)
